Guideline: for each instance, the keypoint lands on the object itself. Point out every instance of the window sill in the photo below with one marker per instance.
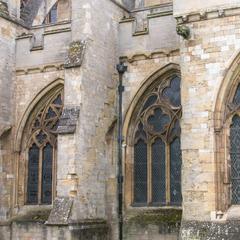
(153, 215)
(32, 213)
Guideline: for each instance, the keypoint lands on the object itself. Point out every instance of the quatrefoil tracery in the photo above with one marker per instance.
(44, 126)
(160, 113)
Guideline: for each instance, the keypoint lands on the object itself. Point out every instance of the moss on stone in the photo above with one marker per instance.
(156, 217)
(33, 216)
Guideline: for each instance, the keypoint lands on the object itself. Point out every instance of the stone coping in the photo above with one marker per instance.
(207, 14)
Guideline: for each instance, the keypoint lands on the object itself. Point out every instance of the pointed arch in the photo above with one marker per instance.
(226, 90)
(36, 144)
(151, 80)
(54, 86)
(226, 107)
(152, 137)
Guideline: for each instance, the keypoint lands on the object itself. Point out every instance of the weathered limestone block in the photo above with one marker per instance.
(68, 120)
(196, 230)
(75, 54)
(60, 212)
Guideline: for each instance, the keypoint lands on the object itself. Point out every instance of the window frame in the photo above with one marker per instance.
(223, 122)
(29, 142)
(164, 81)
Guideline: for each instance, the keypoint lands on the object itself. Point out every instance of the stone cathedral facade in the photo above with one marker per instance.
(59, 119)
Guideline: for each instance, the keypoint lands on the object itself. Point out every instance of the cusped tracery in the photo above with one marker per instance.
(41, 151)
(157, 148)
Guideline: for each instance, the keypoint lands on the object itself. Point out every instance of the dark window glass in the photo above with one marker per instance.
(50, 113)
(140, 172)
(58, 100)
(235, 159)
(47, 174)
(173, 92)
(41, 137)
(150, 101)
(236, 99)
(175, 172)
(159, 120)
(158, 172)
(53, 14)
(33, 167)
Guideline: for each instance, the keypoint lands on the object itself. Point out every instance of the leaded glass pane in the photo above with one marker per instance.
(140, 133)
(175, 172)
(33, 167)
(176, 130)
(58, 100)
(236, 99)
(140, 172)
(41, 137)
(158, 172)
(159, 120)
(47, 174)
(150, 101)
(50, 113)
(173, 92)
(235, 159)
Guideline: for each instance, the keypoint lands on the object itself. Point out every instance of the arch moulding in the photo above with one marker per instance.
(163, 72)
(53, 86)
(222, 122)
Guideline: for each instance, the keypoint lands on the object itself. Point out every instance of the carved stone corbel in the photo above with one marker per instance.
(183, 31)
(75, 54)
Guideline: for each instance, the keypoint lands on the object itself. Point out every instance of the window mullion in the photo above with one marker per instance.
(167, 159)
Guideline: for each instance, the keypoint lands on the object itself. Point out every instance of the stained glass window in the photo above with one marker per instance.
(157, 147)
(42, 145)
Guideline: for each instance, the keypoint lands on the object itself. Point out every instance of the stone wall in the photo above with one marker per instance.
(205, 59)
(87, 161)
(7, 48)
(204, 63)
(182, 7)
(25, 230)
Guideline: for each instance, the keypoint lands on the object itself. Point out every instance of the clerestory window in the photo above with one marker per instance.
(42, 149)
(157, 147)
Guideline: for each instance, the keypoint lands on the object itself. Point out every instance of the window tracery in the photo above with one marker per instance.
(157, 151)
(41, 152)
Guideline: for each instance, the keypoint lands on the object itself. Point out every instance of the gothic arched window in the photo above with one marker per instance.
(42, 142)
(235, 149)
(157, 150)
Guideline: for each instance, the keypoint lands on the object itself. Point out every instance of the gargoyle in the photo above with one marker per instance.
(183, 31)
